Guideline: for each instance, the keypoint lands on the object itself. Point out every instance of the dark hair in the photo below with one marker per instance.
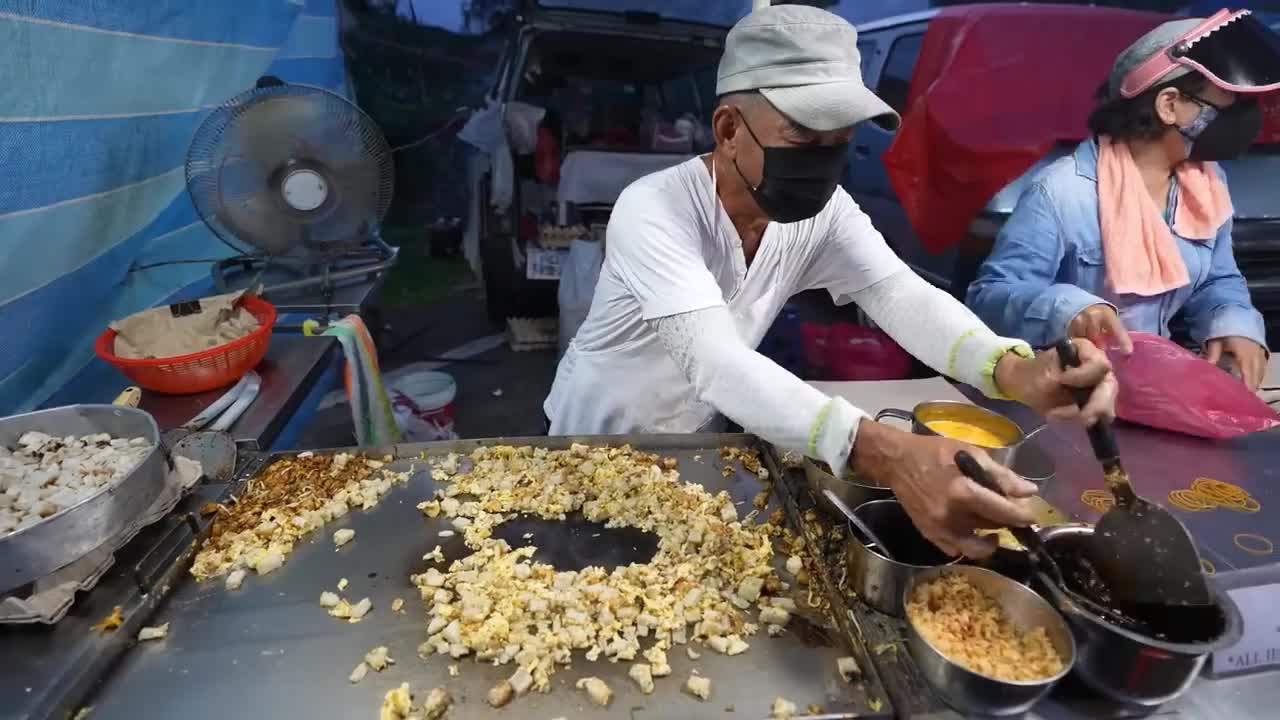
(1135, 118)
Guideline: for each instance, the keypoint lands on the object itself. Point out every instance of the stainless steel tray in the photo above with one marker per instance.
(60, 539)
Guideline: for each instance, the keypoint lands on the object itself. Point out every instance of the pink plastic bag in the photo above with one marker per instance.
(1165, 386)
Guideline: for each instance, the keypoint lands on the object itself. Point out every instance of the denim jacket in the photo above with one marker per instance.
(1047, 265)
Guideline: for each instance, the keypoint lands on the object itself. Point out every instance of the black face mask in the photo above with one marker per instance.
(1229, 133)
(797, 181)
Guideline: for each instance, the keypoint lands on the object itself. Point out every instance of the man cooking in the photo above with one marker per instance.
(701, 257)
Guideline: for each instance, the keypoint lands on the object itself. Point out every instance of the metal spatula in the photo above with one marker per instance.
(1140, 550)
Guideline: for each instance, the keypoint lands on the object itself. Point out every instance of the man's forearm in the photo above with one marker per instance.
(938, 329)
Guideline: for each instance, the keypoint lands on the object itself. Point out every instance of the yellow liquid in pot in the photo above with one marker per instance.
(964, 432)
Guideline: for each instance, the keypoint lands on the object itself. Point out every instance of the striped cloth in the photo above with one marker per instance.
(371, 413)
(98, 101)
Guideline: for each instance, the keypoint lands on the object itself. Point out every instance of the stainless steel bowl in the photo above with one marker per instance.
(878, 580)
(1126, 666)
(853, 493)
(975, 693)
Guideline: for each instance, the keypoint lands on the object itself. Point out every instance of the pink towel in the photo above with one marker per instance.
(1141, 253)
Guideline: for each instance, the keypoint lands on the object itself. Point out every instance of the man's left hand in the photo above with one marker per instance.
(1042, 384)
(1250, 357)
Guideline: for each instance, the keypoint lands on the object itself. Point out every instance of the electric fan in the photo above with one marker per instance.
(297, 179)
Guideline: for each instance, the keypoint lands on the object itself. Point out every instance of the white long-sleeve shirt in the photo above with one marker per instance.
(668, 345)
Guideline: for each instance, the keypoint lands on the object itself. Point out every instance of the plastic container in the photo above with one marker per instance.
(201, 371)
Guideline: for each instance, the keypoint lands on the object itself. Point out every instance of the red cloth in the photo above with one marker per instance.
(994, 88)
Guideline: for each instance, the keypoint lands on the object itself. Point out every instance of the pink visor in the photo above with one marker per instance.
(1233, 50)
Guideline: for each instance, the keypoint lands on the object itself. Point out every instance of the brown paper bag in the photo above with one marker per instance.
(184, 328)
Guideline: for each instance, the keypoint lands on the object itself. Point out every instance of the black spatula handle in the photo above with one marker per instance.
(1100, 435)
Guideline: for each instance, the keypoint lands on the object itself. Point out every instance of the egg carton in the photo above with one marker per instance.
(53, 595)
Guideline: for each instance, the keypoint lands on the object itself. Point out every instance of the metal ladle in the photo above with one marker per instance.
(857, 522)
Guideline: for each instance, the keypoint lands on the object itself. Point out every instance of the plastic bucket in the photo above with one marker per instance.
(428, 394)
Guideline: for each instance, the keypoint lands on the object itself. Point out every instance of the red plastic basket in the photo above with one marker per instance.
(201, 371)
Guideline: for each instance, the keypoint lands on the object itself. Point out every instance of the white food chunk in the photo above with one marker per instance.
(269, 561)
(500, 694)
(521, 680)
(642, 673)
(328, 599)
(153, 633)
(782, 709)
(436, 554)
(445, 533)
(693, 654)
(736, 646)
(785, 603)
(795, 564)
(597, 690)
(774, 616)
(749, 589)
(343, 536)
(698, 686)
(342, 584)
(454, 670)
(360, 609)
(397, 604)
(436, 704)
(235, 579)
(397, 704)
(775, 630)
(359, 672)
(848, 668)
(378, 659)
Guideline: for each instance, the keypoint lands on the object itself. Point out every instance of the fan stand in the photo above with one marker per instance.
(351, 266)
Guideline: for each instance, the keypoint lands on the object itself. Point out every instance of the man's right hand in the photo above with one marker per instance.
(1100, 325)
(945, 506)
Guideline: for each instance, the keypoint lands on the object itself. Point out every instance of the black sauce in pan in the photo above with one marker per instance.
(1168, 623)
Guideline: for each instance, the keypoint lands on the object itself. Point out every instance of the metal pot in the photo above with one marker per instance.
(974, 693)
(1018, 453)
(927, 412)
(1123, 665)
(853, 493)
(878, 580)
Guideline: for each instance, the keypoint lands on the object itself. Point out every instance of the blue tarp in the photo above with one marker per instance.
(98, 100)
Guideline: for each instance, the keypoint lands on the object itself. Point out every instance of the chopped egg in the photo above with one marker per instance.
(454, 671)
(597, 690)
(436, 704)
(698, 687)
(397, 604)
(499, 695)
(848, 668)
(235, 579)
(328, 599)
(436, 554)
(642, 673)
(342, 584)
(693, 654)
(396, 704)
(377, 659)
(343, 536)
(358, 673)
(774, 616)
(153, 633)
(445, 533)
(359, 610)
(795, 564)
(783, 709)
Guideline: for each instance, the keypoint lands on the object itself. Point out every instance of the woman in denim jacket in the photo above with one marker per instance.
(1135, 225)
